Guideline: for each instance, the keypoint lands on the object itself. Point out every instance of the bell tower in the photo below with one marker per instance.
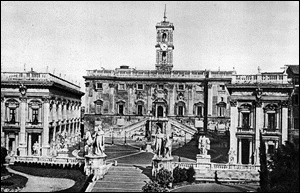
(164, 45)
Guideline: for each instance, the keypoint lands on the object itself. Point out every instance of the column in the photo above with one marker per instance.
(7, 141)
(149, 101)
(22, 143)
(54, 112)
(17, 141)
(284, 121)
(54, 131)
(39, 141)
(59, 111)
(131, 98)
(45, 144)
(277, 119)
(240, 151)
(251, 119)
(267, 147)
(111, 97)
(233, 126)
(2, 121)
(190, 100)
(172, 100)
(209, 99)
(250, 151)
(29, 145)
(64, 116)
(258, 127)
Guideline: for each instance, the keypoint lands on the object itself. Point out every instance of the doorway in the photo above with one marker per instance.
(160, 111)
(245, 151)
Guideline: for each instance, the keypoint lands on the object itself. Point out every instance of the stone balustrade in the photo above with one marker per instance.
(217, 166)
(273, 78)
(38, 77)
(55, 160)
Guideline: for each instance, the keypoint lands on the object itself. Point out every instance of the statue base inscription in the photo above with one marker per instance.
(158, 163)
(96, 165)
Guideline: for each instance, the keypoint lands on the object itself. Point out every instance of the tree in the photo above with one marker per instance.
(263, 173)
(284, 169)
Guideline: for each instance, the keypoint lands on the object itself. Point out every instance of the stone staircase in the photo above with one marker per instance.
(188, 129)
(121, 179)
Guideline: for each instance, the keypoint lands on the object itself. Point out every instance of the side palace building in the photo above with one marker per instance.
(34, 107)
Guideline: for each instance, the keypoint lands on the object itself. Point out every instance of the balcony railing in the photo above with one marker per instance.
(270, 131)
(245, 129)
(275, 78)
(38, 77)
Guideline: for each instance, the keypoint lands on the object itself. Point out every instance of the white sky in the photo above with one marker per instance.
(72, 37)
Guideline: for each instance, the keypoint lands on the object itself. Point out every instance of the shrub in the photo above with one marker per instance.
(164, 177)
(179, 175)
(190, 174)
(153, 186)
(3, 155)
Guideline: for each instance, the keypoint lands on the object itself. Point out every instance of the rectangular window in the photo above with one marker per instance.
(140, 110)
(199, 111)
(99, 85)
(121, 86)
(246, 120)
(12, 116)
(160, 86)
(271, 149)
(98, 109)
(180, 87)
(180, 110)
(140, 86)
(35, 115)
(221, 111)
(121, 109)
(222, 87)
(271, 121)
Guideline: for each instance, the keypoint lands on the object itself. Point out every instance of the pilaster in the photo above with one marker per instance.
(45, 139)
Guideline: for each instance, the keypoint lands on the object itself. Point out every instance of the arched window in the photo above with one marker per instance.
(164, 37)
(34, 110)
(180, 108)
(221, 107)
(12, 106)
(121, 107)
(271, 115)
(98, 106)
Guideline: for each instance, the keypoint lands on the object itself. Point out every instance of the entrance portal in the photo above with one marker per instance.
(245, 151)
(160, 111)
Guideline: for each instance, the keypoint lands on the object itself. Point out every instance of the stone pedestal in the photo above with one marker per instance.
(96, 165)
(158, 163)
(203, 162)
(63, 153)
(148, 147)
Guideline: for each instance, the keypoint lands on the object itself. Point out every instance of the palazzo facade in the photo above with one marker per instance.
(34, 108)
(259, 103)
(126, 98)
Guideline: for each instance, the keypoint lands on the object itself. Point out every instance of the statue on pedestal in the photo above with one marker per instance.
(89, 143)
(204, 145)
(169, 141)
(159, 139)
(99, 141)
(36, 148)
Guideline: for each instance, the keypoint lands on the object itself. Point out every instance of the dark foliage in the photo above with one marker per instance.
(284, 169)
(179, 175)
(190, 174)
(263, 173)
(3, 155)
(153, 186)
(164, 177)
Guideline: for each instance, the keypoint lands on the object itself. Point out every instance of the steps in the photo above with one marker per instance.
(121, 179)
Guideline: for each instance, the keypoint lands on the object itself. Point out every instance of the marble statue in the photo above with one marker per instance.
(159, 137)
(36, 148)
(204, 145)
(89, 143)
(231, 156)
(99, 141)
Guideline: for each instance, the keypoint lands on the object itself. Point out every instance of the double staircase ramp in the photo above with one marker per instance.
(121, 179)
(175, 123)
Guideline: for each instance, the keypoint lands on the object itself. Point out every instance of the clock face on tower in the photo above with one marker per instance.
(163, 47)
